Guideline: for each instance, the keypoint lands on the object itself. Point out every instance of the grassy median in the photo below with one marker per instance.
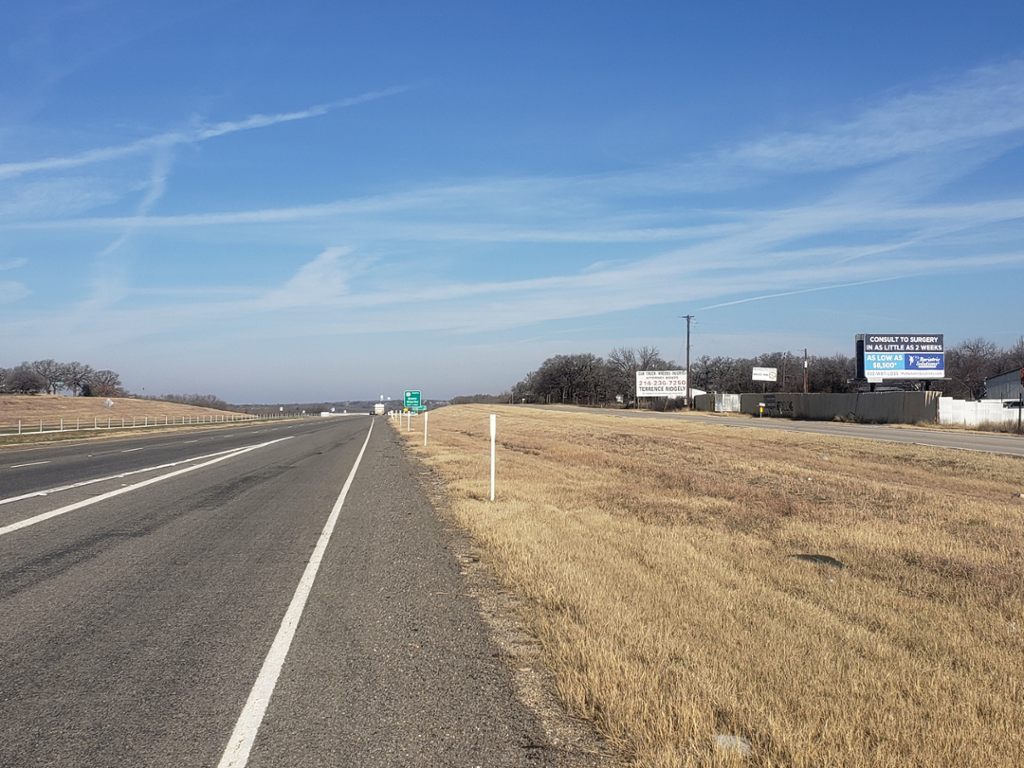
(734, 596)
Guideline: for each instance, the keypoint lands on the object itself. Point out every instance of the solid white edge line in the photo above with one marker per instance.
(127, 489)
(236, 754)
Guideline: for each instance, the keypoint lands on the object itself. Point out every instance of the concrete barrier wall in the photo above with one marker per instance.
(871, 407)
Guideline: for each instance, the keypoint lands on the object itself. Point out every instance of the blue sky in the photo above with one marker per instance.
(326, 201)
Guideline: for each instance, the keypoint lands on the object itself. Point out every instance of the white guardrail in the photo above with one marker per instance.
(32, 427)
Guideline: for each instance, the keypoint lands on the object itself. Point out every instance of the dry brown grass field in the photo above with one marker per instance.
(30, 409)
(658, 564)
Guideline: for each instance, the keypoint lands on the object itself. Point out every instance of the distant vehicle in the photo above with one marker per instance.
(1012, 404)
(378, 409)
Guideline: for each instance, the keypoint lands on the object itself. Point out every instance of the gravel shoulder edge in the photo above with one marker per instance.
(574, 742)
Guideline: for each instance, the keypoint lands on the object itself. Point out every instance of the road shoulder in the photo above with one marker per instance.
(573, 743)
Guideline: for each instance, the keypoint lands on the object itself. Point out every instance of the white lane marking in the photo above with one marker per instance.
(133, 450)
(236, 755)
(30, 464)
(118, 476)
(128, 488)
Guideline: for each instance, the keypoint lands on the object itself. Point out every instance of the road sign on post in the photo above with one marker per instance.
(412, 399)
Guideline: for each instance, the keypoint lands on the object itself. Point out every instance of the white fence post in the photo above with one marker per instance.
(494, 431)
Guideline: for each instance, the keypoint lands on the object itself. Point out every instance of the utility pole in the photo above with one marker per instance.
(806, 388)
(689, 400)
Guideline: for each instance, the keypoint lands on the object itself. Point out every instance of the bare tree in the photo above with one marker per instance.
(24, 380)
(622, 368)
(51, 371)
(525, 390)
(721, 374)
(831, 374)
(103, 384)
(571, 379)
(76, 374)
(1013, 357)
(968, 364)
(649, 359)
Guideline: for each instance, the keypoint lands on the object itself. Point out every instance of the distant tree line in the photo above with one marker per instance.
(485, 399)
(78, 379)
(733, 374)
(52, 377)
(201, 401)
(585, 379)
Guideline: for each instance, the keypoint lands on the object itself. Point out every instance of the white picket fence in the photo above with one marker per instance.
(26, 427)
(971, 413)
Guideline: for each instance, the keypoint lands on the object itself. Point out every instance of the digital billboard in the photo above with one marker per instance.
(886, 356)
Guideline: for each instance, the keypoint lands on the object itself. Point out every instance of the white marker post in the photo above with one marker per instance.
(425, 415)
(494, 431)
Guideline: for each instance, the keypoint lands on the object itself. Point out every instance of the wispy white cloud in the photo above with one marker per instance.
(13, 263)
(322, 281)
(198, 133)
(11, 291)
(43, 199)
(606, 242)
(985, 104)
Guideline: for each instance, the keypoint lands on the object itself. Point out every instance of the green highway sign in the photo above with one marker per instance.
(412, 399)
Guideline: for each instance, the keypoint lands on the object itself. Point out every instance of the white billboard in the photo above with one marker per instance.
(766, 374)
(661, 383)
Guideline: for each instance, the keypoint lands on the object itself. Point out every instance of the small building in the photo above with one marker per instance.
(1005, 386)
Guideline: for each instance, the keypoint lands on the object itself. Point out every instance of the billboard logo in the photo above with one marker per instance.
(925, 362)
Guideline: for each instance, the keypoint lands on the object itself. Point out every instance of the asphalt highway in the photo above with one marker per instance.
(240, 597)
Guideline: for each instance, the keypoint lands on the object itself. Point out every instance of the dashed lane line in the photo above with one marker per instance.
(127, 489)
(119, 475)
